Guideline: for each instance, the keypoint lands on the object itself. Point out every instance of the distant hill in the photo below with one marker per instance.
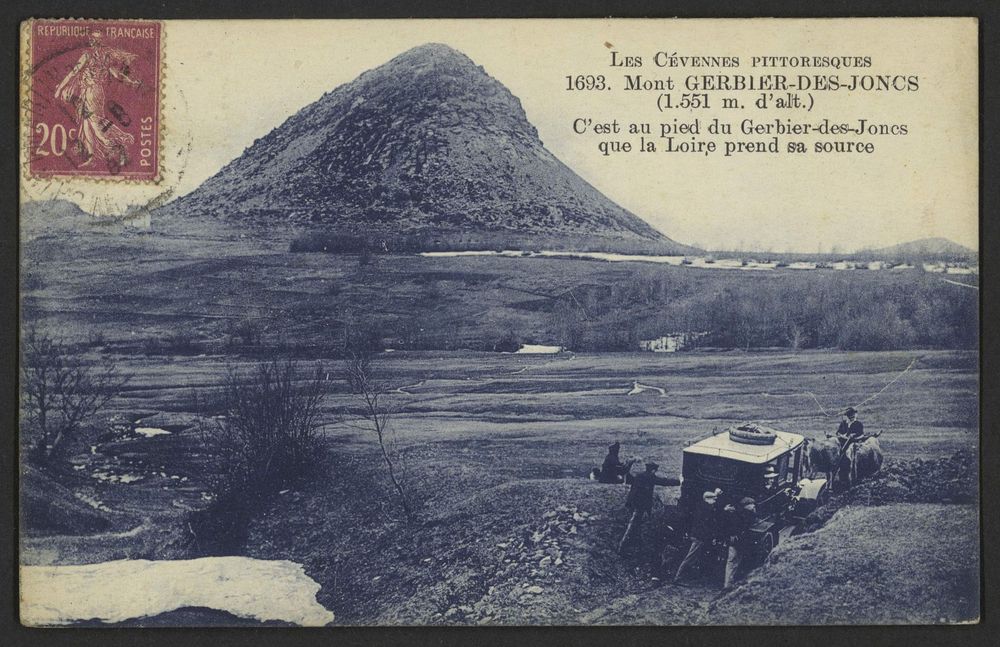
(928, 247)
(38, 217)
(428, 144)
(46, 217)
(58, 210)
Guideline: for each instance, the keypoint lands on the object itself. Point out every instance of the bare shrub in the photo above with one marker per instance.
(152, 346)
(266, 439)
(182, 341)
(60, 390)
(267, 436)
(509, 342)
(246, 332)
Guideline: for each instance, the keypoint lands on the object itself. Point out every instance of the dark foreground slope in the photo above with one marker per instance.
(426, 142)
(868, 565)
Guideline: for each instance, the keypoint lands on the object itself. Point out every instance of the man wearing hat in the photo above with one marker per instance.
(613, 470)
(850, 430)
(738, 521)
(640, 499)
(704, 529)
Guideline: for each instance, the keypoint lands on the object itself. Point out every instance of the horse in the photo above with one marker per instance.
(864, 458)
(822, 456)
(857, 461)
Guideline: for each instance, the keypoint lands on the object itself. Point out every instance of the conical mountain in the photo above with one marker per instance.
(427, 141)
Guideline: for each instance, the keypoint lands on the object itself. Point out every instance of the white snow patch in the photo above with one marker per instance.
(638, 388)
(94, 503)
(108, 477)
(120, 590)
(619, 258)
(149, 432)
(538, 349)
(483, 252)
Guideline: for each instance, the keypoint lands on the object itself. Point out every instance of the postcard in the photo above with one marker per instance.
(499, 322)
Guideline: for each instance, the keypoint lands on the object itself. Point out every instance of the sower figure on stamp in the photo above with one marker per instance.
(83, 89)
(640, 500)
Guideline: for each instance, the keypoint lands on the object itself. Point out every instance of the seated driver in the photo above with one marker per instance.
(851, 429)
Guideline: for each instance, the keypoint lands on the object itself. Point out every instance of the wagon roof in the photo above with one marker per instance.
(723, 446)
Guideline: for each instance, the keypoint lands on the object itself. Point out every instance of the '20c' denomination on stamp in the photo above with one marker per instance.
(93, 100)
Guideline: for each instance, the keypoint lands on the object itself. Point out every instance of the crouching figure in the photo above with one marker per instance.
(613, 470)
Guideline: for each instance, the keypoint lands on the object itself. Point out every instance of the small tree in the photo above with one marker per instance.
(796, 335)
(60, 391)
(364, 382)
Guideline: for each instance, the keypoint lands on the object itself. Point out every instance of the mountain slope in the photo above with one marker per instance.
(426, 141)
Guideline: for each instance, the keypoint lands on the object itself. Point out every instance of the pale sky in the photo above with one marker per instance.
(228, 83)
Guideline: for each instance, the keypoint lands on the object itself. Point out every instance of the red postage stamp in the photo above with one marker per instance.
(93, 99)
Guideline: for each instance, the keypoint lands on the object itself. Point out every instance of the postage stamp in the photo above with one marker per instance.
(93, 100)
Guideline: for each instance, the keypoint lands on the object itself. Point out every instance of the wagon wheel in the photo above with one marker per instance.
(766, 545)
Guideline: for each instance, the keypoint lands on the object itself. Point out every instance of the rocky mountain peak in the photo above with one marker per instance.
(429, 140)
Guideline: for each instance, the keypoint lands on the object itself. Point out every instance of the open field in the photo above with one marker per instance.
(169, 292)
(492, 444)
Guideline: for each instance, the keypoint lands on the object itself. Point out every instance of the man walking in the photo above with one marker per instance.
(640, 499)
(704, 530)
